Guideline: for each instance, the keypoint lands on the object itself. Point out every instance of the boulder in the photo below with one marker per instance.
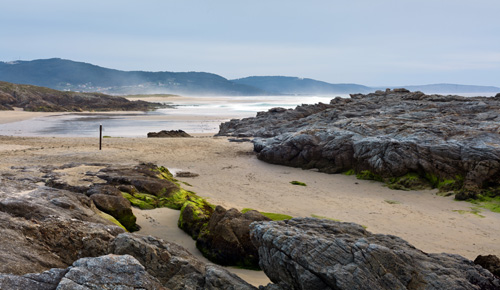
(174, 266)
(195, 215)
(118, 207)
(168, 134)
(307, 253)
(108, 272)
(186, 174)
(34, 246)
(146, 178)
(489, 262)
(47, 280)
(225, 240)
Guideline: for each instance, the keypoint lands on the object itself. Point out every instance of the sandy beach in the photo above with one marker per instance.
(230, 175)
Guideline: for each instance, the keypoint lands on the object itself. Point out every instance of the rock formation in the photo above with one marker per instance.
(168, 134)
(306, 253)
(41, 99)
(450, 141)
(225, 240)
(55, 238)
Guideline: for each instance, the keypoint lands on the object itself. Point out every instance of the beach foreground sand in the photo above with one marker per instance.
(230, 175)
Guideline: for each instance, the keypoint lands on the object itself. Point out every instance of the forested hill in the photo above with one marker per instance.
(63, 74)
(300, 86)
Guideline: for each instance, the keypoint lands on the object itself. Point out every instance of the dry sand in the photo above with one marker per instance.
(231, 176)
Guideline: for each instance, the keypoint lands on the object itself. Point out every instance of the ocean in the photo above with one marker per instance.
(195, 115)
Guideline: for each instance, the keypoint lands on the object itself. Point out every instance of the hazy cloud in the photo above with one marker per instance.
(370, 42)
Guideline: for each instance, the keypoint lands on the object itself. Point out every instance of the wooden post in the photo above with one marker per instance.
(100, 136)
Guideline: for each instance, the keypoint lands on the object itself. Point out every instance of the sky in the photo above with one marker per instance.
(374, 43)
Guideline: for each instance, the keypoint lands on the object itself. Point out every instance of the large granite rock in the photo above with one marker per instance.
(306, 253)
(445, 139)
(50, 228)
(108, 272)
(174, 266)
(225, 240)
(47, 280)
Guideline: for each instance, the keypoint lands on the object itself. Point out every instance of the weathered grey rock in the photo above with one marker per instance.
(47, 280)
(226, 238)
(390, 133)
(43, 228)
(174, 266)
(108, 272)
(168, 134)
(306, 253)
(34, 246)
(144, 177)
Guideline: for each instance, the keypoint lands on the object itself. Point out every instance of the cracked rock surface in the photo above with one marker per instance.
(306, 253)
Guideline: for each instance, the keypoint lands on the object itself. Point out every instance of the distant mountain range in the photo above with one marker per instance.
(67, 75)
(300, 86)
(63, 75)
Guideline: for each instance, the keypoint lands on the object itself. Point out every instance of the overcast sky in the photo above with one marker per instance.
(370, 42)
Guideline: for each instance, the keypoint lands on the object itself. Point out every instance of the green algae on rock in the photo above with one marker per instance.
(194, 216)
(271, 215)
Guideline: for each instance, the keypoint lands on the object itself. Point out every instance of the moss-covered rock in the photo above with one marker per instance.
(273, 216)
(368, 175)
(195, 214)
(225, 240)
(410, 181)
(118, 207)
(137, 202)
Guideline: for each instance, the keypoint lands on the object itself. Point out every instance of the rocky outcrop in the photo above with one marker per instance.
(41, 99)
(62, 233)
(306, 253)
(447, 140)
(168, 134)
(225, 240)
(114, 189)
(47, 280)
(174, 266)
(134, 262)
(50, 228)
